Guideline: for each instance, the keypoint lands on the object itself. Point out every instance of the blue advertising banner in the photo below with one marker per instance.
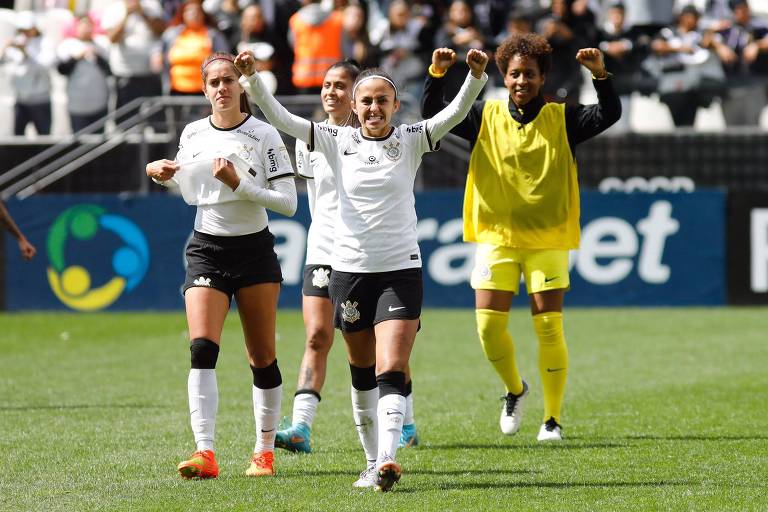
(110, 252)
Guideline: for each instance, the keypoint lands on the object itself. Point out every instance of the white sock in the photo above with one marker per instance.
(408, 419)
(203, 395)
(304, 408)
(366, 420)
(391, 411)
(266, 411)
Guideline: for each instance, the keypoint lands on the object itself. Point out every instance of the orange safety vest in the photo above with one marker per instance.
(316, 48)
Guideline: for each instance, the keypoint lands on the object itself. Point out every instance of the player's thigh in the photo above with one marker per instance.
(361, 347)
(207, 310)
(496, 300)
(394, 343)
(544, 302)
(257, 306)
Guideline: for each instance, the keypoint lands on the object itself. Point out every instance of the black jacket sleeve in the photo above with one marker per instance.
(434, 101)
(65, 67)
(583, 122)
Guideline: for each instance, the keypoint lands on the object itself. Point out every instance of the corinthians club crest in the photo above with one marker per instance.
(349, 312)
(320, 277)
(392, 150)
(244, 151)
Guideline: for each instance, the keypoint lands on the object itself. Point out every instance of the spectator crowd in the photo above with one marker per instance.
(688, 52)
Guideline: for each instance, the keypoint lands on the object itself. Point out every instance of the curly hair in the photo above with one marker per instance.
(529, 45)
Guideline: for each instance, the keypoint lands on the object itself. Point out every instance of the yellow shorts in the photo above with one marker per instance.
(500, 268)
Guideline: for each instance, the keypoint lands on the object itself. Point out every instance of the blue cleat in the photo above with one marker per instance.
(294, 439)
(409, 437)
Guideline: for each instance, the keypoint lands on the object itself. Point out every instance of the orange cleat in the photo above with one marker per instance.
(261, 464)
(201, 464)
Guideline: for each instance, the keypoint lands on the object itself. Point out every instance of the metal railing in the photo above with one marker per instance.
(136, 123)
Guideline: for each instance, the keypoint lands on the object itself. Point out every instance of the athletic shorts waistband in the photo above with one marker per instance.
(233, 241)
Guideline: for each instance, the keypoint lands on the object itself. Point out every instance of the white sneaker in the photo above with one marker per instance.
(512, 411)
(550, 431)
(367, 477)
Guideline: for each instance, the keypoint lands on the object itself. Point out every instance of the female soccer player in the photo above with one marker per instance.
(239, 167)
(376, 287)
(521, 206)
(336, 98)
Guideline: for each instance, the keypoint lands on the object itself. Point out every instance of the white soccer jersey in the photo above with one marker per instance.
(323, 200)
(262, 160)
(375, 229)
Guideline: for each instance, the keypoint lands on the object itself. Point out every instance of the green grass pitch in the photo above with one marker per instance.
(665, 410)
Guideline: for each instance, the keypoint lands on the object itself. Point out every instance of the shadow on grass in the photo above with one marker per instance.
(544, 485)
(539, 446)
(714, 437)
(298, 473)
(471, 472)
(79, 406)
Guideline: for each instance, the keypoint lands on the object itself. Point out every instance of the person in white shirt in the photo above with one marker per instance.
(317, 309)
(135, 56)
(232, 167)
(376, 287)
(29, 58)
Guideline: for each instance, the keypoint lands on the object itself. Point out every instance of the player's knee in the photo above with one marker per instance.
(363, 379)
(319, 339)
(490, 324)
(268, 377)
(391, 383)
(549, 326)
(204, 353)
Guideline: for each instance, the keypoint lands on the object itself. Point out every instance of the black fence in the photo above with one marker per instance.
(736, 160)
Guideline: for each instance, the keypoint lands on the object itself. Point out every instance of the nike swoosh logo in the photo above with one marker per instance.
(548, 279)
(267, 431)
(194, 155)
(347, 152)
(394, 412)
(395, 309)
(550, 370)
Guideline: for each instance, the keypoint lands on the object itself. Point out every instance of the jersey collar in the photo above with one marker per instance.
(527, 113)
(241, 123)
(384, 137)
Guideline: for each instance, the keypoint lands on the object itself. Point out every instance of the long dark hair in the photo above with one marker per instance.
(245, 105)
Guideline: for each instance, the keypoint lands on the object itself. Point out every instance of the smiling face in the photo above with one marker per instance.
(374, 104)
(221, 86)
(336, 94)
(523, 79)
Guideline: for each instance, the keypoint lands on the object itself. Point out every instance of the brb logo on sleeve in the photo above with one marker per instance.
(79, 232)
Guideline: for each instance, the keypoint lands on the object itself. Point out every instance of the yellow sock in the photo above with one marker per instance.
(553, 361)
(498, 347)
